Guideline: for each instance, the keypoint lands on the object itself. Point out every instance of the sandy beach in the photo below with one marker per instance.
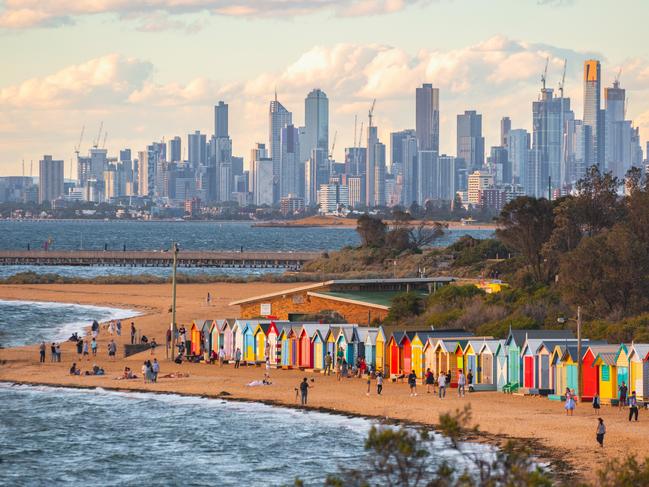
(567, 442)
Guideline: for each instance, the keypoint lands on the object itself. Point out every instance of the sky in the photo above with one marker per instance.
(154, 68)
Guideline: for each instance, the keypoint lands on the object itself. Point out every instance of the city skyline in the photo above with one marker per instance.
(138, 100)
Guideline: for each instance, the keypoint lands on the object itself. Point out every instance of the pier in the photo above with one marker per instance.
(200, 258)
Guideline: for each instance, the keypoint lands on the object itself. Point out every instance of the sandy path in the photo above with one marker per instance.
(542, 422)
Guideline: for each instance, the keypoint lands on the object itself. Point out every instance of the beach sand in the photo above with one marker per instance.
(567, 442)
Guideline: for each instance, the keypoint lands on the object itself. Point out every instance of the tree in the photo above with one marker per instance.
(424, 234)
(526, 225)
(404, 305)
(372, 231)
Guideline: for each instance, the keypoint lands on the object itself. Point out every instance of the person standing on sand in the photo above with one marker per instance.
(461, 384)
(623, 390)
(221, 356)
(328, 360)
(145, 372)
(304, 391)
(596, 402)
(112, 350)
(58, 352)
(633, 406)
(379, 382)
(570, 403)
(79, 348)
(601, 431)
(412, 383)
(441, 382)
(93, 347)
(41, 352)
(237, 358)
(430, 381)
(53, 352)
(95, 328)
(155, 370)
(132, 333)
(119, 328)
(85, 350)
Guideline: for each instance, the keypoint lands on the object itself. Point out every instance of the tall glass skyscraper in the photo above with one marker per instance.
(470, 142)
(279, 117)
(221, 120)
(592, 108)
(316, 121)
(427, 117)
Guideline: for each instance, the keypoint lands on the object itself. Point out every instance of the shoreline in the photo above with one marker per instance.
(552, 461)
(567, 442)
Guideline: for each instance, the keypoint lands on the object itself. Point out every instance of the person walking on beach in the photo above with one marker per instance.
(379, 383)
(208, 299)
(155, 370)
(85, 350)
(53, 352)
(623, 390)
(111, 327)
(304, 391)
(93, 347)
(601, 431)
(41, 351)
(221, 356)
(461, 384)
(633, 406)
(344, 369)
(237, 358)
(95, 328)
(441, 383)
(118, 327)
(412, 383)
(112, 350)
(132, 333)
(79, 348)
(570, 403)
(448, 378)
(430, 381)
(57, 348)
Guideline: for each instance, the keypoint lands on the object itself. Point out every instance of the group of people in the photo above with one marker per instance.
(115, 327)
(95, 370)
(55, 352)
(150, 370)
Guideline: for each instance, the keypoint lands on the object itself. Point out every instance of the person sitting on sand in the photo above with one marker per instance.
(74, 370)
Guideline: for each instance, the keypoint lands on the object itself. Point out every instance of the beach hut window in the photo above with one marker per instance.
(606, 373)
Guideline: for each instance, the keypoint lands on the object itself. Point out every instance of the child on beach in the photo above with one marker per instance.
(93, 347)
(379, 382)
(601, 431)
(596, 402)
(570, 403)
(412, 383)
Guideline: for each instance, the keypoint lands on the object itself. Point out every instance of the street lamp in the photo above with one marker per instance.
(175, 249)
(578, 321)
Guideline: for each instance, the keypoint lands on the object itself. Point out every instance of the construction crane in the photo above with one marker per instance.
(544, 76)
(563, 77)
(333, 145)
(357, 147)
(103, 144)
(371, 112)
(96, 142)
(78, 146)
(617, 77)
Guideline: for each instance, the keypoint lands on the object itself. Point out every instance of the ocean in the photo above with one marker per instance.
(29, 322)
(128, 438)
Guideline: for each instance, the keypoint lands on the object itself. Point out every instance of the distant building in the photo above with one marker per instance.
(427, 117)
(374, 170)
(332, 197)
(221, 120)
(197, 149)
(355, 159)
(174, 149)
(278, 118)
(356, 187)
(316, 121)
(478, 181)
(291, 204)
(50, 179)
(505, 129)
(316, 173)
(289, 180)
(518, 153)
(470, 142)
(592, 109)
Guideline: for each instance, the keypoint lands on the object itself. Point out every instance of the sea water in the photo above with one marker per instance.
(29, 322)
(126, 438)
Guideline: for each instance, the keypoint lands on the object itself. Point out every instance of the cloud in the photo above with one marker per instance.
(21, 14)
(498, 77)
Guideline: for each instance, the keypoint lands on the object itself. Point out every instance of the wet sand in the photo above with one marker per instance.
(567, 442)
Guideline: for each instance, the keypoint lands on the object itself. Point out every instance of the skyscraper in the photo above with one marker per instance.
(279, 117)
(174, 149)
(518, 153)
(316, 172)
(470, 142)
(550, 115)
(289, 181)
(316, 121)
(409, 153)
(592, 108)
(397, 155)
(374, 170)
(221, 120)
(197, 145)
(505, 128)
(427, 117)
(50, 179)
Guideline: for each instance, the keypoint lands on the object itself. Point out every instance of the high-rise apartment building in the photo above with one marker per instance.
(316, 121)
(289, 180)
(197, 149)
(409, 154)
(427, 117)
(278, 118)
(374, 170)
(50, 179)
(592, 108)
(221, 120)
(478, 181)
(174, 149)
(397, 156)
(505, 129)
(470, 142)
(518, 153)
(316, 173)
